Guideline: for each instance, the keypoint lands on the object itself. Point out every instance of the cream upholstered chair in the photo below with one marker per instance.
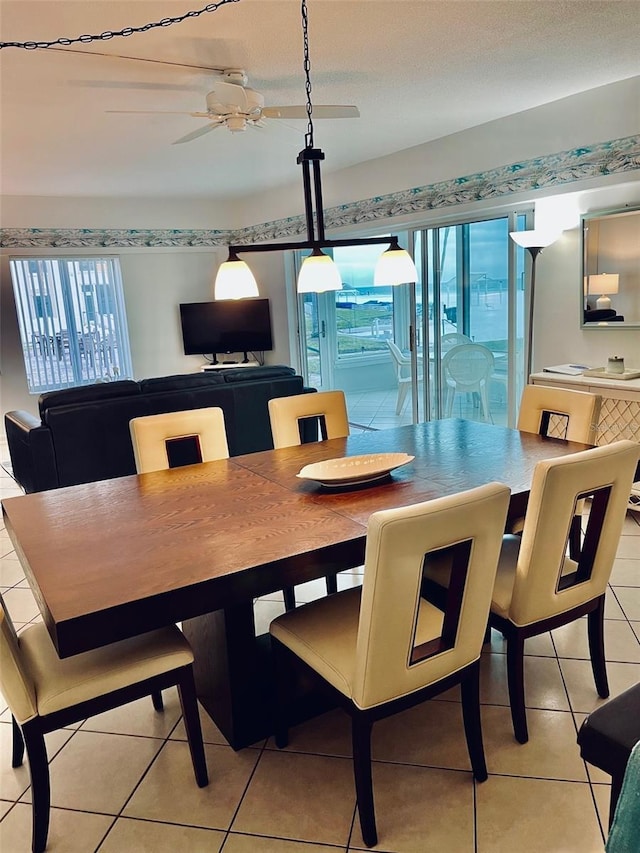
(178, 438)
(285, 414)
(383, 648)
(45, 693)
(538, 587)
(467, 369)
(559, 413)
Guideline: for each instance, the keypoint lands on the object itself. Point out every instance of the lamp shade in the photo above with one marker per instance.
(395, 266)
(537, 238)
(234, 280)
(318, 274)
(604, 283)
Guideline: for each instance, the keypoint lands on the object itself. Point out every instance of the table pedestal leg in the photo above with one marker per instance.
(233, 672)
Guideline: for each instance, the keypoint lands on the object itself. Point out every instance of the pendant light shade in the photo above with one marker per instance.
(234, 280)
(395, 266)
(318, 274)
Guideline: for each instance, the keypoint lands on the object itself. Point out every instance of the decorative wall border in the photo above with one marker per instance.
(577, 164)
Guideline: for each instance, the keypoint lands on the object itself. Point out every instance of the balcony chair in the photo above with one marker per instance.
(467, 369)
(538, 587)
(402, 365)
(559, 413)
(285, 414)
(453, 339)
(45, 693)
(382, 648)
(178, 438)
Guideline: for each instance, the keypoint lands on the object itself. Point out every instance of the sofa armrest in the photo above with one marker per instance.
(31, 451)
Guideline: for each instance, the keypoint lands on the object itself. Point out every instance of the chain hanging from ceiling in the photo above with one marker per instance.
(123, 33)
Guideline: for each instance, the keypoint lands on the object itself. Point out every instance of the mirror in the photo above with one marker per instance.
(611, 269)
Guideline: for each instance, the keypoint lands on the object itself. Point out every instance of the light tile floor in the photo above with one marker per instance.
(122, 782)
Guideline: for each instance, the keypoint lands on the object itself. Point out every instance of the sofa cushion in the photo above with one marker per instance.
(180, 382)
(86, 394)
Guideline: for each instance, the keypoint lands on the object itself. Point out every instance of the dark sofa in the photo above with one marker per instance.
(82, 434)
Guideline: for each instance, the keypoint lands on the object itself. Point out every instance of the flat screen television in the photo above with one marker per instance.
(226, 326)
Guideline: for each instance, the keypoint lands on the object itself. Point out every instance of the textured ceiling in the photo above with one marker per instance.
(417, 70)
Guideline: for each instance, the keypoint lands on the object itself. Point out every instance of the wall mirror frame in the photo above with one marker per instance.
(610, 297)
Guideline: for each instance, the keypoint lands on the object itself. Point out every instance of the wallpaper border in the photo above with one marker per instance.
(576, 164)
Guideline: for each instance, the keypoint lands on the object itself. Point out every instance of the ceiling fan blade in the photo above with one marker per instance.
(160, 113)
(321, 111)
(196, 133)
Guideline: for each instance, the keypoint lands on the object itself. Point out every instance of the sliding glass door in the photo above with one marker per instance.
(470, 282)
(390, 349)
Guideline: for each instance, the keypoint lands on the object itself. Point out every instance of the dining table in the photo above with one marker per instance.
(198, 544)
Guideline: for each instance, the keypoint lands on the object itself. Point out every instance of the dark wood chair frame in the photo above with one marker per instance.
(286, 662)
(31, 734)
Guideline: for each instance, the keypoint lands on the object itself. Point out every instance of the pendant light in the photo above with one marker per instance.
(318, 273)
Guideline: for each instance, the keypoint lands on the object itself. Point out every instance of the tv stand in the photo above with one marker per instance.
(222, 365)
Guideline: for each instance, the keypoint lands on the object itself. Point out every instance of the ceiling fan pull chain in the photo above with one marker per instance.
(123, 33)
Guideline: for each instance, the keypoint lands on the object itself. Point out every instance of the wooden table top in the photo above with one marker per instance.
(115, 558)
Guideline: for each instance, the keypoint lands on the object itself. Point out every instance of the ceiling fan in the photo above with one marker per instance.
(236, 106)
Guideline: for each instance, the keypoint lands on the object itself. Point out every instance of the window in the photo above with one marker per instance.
(72, 321)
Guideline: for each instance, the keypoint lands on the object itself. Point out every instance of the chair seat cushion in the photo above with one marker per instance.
(324, 634)
(63, 683)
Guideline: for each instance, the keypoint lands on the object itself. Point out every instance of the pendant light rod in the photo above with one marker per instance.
(312, 244)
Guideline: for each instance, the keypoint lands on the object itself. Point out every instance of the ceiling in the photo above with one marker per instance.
(417, 69)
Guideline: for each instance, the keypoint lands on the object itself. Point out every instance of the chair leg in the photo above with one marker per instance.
(332, 584)
(40, 789)
(191, 717)
(361, 737)
(17, 750)
(403, 388)
(156, 698)
(289, 598)
(470, 688)
(515, 677)
(575, 537)
(281, 694)
(595, 624)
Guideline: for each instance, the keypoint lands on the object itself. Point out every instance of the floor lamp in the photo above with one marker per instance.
(534, 242)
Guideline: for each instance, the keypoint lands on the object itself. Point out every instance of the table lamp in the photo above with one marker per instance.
(604, 283)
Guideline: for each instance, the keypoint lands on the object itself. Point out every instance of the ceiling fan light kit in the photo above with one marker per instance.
(319, 273)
